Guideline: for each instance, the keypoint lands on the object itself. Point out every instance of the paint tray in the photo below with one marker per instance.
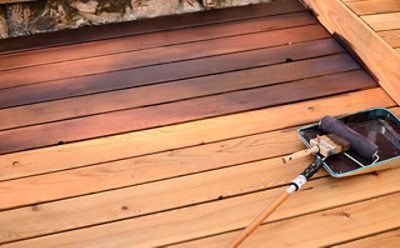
(378, 125)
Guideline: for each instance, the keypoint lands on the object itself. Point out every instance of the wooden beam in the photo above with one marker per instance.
(376, 54)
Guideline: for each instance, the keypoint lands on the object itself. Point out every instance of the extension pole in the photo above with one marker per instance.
(295, 185)
(259, 220)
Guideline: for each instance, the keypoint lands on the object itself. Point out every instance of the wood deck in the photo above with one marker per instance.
(169, 132)
(383, 16)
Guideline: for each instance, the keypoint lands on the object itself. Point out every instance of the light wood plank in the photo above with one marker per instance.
(194, 133)
(376, 54)
(392, 37)
(389, 239)
(148, 168)
(381, 22)
(320, 229)
(369, 7)
(230, 214)
(141, 200)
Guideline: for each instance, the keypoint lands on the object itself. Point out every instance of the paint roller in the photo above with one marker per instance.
(339, 138)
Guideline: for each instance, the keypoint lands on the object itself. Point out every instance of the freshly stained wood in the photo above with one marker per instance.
(162, 93)
(369, 7)
(388, 239)
(383, 21)
(174, 71)
(152, 40)
(392, 37)
(316, 229)
(148, 25)
(172, 113)
(129, 60)
(376, 54)
(221, 216)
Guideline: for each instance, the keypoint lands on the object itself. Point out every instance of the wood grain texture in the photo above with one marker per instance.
(381, 22)
(148, 25)
(392, 37)
(369, 7)
(168, 92)
(166, 73)
(376, 54)
(131, 60)
(83, 153)
(145, 199)
(183, 111)
(346, 222)
(153, 40)
(221, 216)
(388, 239)
(149, 168)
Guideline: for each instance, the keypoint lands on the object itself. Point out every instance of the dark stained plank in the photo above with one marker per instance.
(129, 60)
(148, 25)
(152, 40)
(159, 93)
(172, 113)
(175, 71)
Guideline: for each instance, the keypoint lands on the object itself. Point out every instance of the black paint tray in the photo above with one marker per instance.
(380, 126)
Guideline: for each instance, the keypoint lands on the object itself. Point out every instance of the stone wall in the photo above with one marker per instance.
(52, 15)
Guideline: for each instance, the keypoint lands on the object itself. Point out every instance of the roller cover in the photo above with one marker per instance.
(358, 143)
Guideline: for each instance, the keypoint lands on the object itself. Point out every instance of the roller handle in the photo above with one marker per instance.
(300, 154)
(259, 220)
(293, 187)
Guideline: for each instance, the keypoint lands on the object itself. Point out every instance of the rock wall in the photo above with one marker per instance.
(52, 15)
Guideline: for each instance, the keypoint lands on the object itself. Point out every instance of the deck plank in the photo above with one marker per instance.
(109, 31)
(147, 96)
(153, 40)
(194, 222)
(345, 222)
(219, 68)
(79, 154)
(173, 113)
(388, 239)
(149, 168)
(392, 37)
(382, 22)
(370, 7)
(137, 59)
